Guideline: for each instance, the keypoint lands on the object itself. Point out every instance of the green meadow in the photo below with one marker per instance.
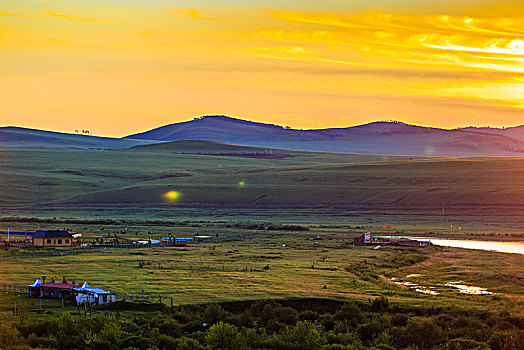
(219, 184)
(303, 210)
(306, 267)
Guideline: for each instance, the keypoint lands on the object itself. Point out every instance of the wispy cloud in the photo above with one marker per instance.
(193, 13)
(2, 13)
(432, 38)
(53, 12)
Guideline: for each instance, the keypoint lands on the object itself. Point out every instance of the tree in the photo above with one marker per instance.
(305, 335)
(222, 336)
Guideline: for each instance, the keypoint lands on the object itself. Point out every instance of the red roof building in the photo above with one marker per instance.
(62, 290)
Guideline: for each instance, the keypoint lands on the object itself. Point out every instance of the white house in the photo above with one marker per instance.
(88, 295)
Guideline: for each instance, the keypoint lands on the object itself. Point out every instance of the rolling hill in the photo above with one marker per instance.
(307, 187)
(22, 138)
(388, 138)
(373, 138)
(516, 132)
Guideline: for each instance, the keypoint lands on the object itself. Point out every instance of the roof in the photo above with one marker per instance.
(36, 284)
(52, 234)
(59, 285)
(88, 290)
(92, 290)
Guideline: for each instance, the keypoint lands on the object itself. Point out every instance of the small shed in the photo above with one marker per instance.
(52, 238)
(88, 295)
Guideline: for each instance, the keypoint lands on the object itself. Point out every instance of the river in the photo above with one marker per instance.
(503, 247)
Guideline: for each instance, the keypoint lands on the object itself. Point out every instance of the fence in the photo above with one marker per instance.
(12, 288)
(70, 251)
(152, 298)
(88, 249)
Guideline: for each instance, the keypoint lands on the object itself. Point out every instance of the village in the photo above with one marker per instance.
(83, 295)
(64, 238)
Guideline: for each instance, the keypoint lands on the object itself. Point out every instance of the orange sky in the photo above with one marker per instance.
(119, 67)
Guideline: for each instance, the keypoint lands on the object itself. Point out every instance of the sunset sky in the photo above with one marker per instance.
(118, 67)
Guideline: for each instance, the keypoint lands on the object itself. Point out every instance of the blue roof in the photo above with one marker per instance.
(36, 284)
(92, 290)
(86, 289)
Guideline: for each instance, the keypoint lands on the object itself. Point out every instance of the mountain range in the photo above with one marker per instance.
(390, 138)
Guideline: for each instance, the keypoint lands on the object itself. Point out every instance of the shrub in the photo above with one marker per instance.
(380, 304)
(9, 336)
(463, 344)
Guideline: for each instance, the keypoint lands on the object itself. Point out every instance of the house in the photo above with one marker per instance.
(88, 295)
(52, 289)
(362, 240)
(52, 238)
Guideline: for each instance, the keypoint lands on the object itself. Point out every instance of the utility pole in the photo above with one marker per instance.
(443, 215)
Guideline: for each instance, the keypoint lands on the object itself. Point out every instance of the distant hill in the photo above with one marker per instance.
(516, 132)
(374, 138)
(22, 138)
(387, 138)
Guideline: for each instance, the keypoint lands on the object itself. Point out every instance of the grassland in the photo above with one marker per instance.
(233, 271)
(331, 196)
(482, 195)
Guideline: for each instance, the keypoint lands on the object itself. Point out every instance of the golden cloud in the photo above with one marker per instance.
(2, 13)
(52, 12)
(192, 13)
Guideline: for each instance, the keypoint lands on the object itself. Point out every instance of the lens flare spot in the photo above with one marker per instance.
(429, 150)
(172, 196)
(241, 183)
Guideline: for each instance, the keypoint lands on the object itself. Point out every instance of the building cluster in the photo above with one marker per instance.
(366, 239)
(80, 294)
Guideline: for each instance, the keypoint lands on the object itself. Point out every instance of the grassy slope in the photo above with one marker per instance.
(120, 183)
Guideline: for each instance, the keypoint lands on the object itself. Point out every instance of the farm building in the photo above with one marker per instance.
(52, 238)
(367, 239)
(413, 243)
(88, 295)
(52, 289)
(177, 241)
(70, 291)
(363, 239)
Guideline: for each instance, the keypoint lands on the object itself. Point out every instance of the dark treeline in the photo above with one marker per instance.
(299, 324)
